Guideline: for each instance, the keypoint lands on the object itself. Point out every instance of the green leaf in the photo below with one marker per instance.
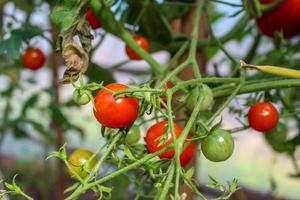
(29, 103)
(152, 23)
(128, 153)
(97, 74)
(12, 45)
(189, 174)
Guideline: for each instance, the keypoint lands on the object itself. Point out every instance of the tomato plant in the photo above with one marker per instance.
(195, 75)
(285, 18)
(81, 162)
(33, 58)
(218, 146)
(263, 116)
(115, 112)
(142, 42)
(92, 19)
(159, 136)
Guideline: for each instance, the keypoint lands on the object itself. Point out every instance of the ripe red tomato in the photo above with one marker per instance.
(33, 58)
(285, 18)
(92, 19)
(78, 158)
(115, 112)
(263, 116)
(142, 42)
(154, 143)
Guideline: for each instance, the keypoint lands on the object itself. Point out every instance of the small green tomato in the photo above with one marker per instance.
(80, 97)
(133, 135)
(204, 91)
(218, 146)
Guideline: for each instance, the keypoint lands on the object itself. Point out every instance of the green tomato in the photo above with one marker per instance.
(218, 146)
(204, 91)
(133, 135)
(77, 160)
(80, 97)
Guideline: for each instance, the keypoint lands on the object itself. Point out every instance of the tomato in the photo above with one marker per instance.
(115, 112)
(207, 101)
(80, 97)
(263, 116)
(154, 141)
(92, 19)
(285, 18)
(218, 146)
(77, 160)
(33, 58)
(133, 135)
(142, 42)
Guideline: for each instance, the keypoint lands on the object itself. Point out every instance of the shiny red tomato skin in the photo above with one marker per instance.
(115, 112)
(153, 143)
(92, 19)
(285, 18)
(33, 58)
(263, 116)
(142, 42)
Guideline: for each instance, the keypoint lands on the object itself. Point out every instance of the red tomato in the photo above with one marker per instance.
(285, 18)
(153, 142)
(263, 116)
(33, 58)
(92, 19)
(142, 42)
(115, 112)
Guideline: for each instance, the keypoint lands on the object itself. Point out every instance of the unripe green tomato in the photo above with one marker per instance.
(80, 97)
(218, 146)
(133, 135)
(77, 160)
(207, 101)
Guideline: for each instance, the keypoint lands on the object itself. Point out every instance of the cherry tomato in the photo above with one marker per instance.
(77, 160)
(133, 135)
(80, 97)
(33, 58)
(263, 116)
(115, 112)
(142, 42)
(207, 101)
(285, 18)
(155, 141)
(92, 19)
(218, 146)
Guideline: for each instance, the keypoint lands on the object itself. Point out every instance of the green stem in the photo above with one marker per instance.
(261, 86)
(229, 99)
(164, 193)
